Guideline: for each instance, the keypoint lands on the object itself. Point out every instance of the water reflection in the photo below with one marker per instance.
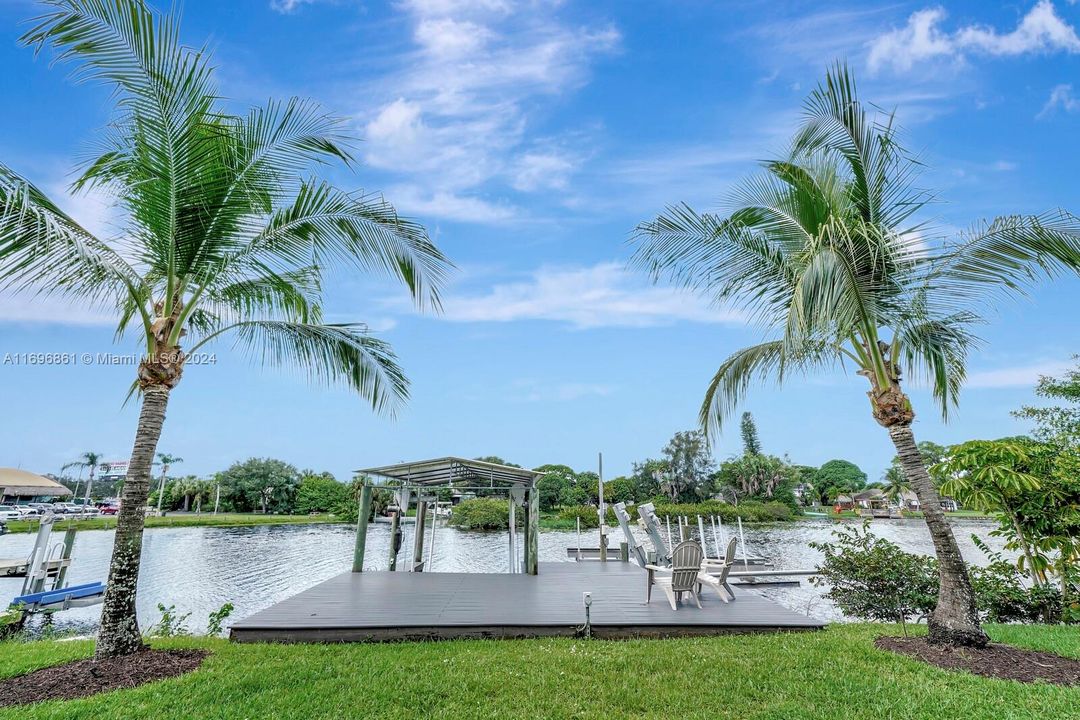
(199, 569)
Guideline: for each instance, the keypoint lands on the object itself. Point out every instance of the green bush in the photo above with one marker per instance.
(586, 513)
(1002, 597)
(873, 579)
(481, 514)
(751, 511)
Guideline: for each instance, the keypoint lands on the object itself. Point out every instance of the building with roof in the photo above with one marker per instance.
(21, 487)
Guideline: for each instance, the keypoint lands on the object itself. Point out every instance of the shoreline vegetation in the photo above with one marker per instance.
(834, 673)
(180, 520)
(564, 519)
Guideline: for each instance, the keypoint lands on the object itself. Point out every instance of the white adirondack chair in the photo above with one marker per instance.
(714, 573)
(681, 577)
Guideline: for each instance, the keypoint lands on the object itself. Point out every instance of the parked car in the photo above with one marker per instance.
(109, 509)
(9, 512)
(29, 513)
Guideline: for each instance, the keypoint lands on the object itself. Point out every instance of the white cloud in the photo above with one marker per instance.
(416, 200)
(543, 171)
(602, 295)
(1017, 376)
(93, 209)
(288, 6)
(1061, 96)
(454, 119)
(534, 391)
(1040, 30)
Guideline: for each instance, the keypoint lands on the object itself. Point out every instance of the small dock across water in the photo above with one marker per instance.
(387, 606)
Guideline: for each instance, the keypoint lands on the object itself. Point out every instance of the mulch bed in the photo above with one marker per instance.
(995, 660)
(83, 678)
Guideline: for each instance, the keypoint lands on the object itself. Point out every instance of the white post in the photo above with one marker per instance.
(701, 535)
(217, 497)
(715, 538)
(431, 544)
(513, 530)
(579, 538)
(742, 541)
(670, 547)
(602, 511)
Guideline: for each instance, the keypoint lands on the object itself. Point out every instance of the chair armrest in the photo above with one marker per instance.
(657, 568)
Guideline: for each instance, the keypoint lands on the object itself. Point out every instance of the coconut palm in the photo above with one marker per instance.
(896, 483)
(91, 461)
(224, 234)
(166, 460)
(824, 249)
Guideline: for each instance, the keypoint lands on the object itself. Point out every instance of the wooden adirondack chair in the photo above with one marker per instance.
(681, 577)
(714, 573)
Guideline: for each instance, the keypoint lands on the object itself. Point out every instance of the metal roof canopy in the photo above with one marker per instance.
(449, 470)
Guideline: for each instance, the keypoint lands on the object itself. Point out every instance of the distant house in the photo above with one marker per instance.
(871, 501)
(20, 487)
(843, 502)
(804, 493)
(910, 501)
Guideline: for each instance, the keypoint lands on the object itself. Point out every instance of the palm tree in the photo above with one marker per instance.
(224, 234)
(823, 250)
(895, 483)
(91, 460)
(166, 460)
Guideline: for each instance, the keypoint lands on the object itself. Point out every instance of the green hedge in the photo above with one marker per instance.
(586, 513)
(750, 512)
(481, 514)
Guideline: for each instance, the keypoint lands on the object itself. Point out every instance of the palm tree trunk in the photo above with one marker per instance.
(89, 486)
(161, 490)
(119, 634)
(954, 621)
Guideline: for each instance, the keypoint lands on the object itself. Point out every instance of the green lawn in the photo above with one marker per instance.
(183, 520)
(832, 674)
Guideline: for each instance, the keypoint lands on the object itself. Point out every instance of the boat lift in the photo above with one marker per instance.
(43, 588)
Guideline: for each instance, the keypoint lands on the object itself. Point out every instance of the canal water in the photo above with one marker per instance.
(199, 569)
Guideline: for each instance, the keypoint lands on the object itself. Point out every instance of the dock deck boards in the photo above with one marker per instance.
(380, 606)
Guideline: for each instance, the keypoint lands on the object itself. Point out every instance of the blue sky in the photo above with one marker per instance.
(530, 137)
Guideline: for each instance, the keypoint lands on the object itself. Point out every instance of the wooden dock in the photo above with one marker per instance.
(386, 606)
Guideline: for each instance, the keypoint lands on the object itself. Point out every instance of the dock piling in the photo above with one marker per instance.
(361, 528)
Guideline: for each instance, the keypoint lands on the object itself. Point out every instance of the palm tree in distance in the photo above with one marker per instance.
(824, 250)
(166, 460)
(92, 461)
(896, 483)
(226, 234)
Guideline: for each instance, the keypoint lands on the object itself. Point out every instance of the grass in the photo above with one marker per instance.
(183, 520)
(836, 673)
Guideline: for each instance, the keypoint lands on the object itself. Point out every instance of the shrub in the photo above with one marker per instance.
(481, 514)
(585, 513)
(778, 511)
(873, 579)
(1002, 597)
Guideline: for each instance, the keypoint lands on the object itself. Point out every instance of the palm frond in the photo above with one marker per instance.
(1008, 255)
(329, 354)
(882, 173)
(935, 350)
(720, 259)
(293, 295)
(45, 251)
(757, 363)
(169, 158)
(324, 226)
